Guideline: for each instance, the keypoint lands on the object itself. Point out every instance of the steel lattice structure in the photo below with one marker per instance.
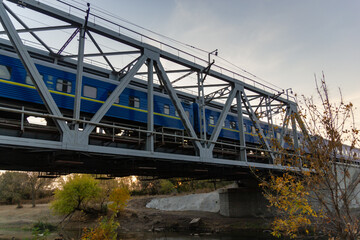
(72, 144)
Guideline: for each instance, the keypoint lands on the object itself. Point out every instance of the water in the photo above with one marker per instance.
(189, 236)
(76, 234)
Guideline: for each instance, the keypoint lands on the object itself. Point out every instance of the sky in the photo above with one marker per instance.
(284, 42)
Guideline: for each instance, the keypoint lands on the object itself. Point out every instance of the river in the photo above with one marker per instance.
(189, 236)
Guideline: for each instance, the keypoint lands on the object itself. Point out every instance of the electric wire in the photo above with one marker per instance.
(80, 7)
(101, 10)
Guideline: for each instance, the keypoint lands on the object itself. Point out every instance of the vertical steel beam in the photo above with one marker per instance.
(31, 69)
(221, 119)
(112, 98)
(179, 108)
(79, 74)
(150, 107)
(243, 156)
(201, 102)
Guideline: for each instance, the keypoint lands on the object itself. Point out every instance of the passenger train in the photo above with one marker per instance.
(130, 107)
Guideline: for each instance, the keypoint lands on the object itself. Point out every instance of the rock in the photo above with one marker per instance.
(159, 229)
(207, 202)
(195, 223)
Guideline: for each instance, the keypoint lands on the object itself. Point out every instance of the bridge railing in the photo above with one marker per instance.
(102, 18)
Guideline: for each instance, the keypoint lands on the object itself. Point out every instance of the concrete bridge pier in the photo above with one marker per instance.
(246, 201)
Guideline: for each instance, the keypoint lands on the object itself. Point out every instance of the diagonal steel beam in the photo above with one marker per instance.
(31, 68)
(100, 50)
(220, 121)
(141, 45)
(182, 77)
(295, 134)
(179, 108)
(285, 125)
(68, 41)
(217, 94)
(302, 126)
(113, 96)
(27, 28)
(257, 125)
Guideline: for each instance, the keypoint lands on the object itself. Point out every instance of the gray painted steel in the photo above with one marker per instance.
(250, 100)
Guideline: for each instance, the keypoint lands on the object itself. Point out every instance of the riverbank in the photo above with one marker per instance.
(135, 218)
(138, 217)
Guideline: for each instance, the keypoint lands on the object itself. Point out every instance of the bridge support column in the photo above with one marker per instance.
(243, 202)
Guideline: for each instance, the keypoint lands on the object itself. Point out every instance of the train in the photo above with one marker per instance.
(130, 107)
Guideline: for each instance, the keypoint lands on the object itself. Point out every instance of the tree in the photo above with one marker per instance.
(75, 195)
(106, 228)
(118, 199)
(36, 184)
(320, 192)
(106, 187)
(13, 187)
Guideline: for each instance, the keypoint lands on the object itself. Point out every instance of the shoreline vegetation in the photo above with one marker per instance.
(134, 219)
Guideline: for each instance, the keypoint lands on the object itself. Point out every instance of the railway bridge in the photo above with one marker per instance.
(110, 100)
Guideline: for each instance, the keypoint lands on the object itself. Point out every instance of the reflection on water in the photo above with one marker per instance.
(188, 236)
(76, 234)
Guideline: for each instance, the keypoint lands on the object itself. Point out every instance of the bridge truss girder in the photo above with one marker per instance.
(253, 102)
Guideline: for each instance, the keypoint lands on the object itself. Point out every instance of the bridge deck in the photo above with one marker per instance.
(85, 133)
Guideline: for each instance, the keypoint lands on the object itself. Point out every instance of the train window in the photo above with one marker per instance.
(5, 72)
(134, 102)
(244, 127)
(232, 125)
(63, 85)
(253, 130)
(211, 120)
(89, 91)
(116, 100)
(176, 114)
(29, 81)
(187, 114)
(278, 135)
(166, 109)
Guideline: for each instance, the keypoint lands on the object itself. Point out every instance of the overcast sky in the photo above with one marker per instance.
(284, 42)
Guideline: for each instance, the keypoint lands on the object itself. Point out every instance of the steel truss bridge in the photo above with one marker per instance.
(74, 141)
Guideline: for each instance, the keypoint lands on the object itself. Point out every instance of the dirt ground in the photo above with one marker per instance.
(136, 217)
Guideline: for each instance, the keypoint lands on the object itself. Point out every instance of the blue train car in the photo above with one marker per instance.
(131, 105)
(230, 128)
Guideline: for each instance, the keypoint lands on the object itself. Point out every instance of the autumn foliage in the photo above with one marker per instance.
(106, 228)
(318, 192)
(288, 195)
